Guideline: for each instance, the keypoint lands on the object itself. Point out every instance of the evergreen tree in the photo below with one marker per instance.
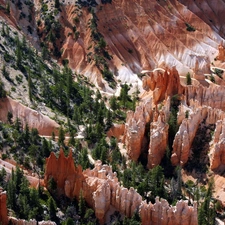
(52, 208)
(57, 4)
(109, 121)
(61, 136)
(9, 117)
(45, 148)
(113, 103)
(81, 204)
(188, 79)
(29, 85)
(18, 53)
(8, 7)
(2, 91)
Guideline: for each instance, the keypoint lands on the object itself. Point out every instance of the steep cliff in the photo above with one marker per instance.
(162, 213)
(187, 131)
(218, 146)
(101, 189)
(69, 178)
(135, 128)
(34, 119)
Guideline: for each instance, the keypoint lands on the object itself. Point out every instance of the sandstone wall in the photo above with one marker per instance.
(164, 214)
(101, 189)
(34, 119)
(135, 128)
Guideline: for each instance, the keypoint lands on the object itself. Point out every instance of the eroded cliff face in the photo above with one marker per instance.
(135, 128)
(218, 146)
(139, 35)
(69, 178)
(34, 119)
(100, 188)
(162, 213)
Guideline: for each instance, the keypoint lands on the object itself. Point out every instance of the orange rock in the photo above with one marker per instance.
(3, 208)
(69, 178)
(162, 213)
(34, 119)
(135, 128)
(158, 142)
(117, 130)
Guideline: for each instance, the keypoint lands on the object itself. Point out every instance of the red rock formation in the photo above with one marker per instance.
(221, 55)
(101, 189)
(135, 128)
(162, 213)
(117, 130)
(210, 96)
(34, 119)
(3, 208)
(217, 156)
(188, 128)
(163, 83)
(158, 142)
(69, 178)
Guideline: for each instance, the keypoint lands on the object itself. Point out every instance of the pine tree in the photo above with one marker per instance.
(61, 136)
(18, 53)
(188, 79)
(52, 208)
(81, 205)
(8, 7)
(9, 117)
(57, 4)
(30, 86)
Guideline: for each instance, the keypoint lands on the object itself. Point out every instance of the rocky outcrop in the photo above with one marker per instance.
(162, 83)
(221, 54)
(162, 213)
(69, 178)
(189, 126)
(101, 190)
(158, 141)
(209, 96)
(3, 208)
(117, 130)
(217, 153)
(34, 119)
(104, 190)
(135, 128)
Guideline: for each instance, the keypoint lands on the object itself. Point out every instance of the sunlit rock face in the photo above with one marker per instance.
(100, 188)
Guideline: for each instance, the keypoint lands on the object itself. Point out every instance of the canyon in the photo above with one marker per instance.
(101, 189)
(150, 45)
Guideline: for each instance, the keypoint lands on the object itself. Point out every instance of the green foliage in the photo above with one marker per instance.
(2, 90)
(5, 73)
(81, 204)
(219, 72)
(83, 159)
(189, 27)
(212, 78)
(9, 117)
(24, 201)
(61, 137)
(52, 208)
(206, 212)
(145, 181)
(188, 79)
